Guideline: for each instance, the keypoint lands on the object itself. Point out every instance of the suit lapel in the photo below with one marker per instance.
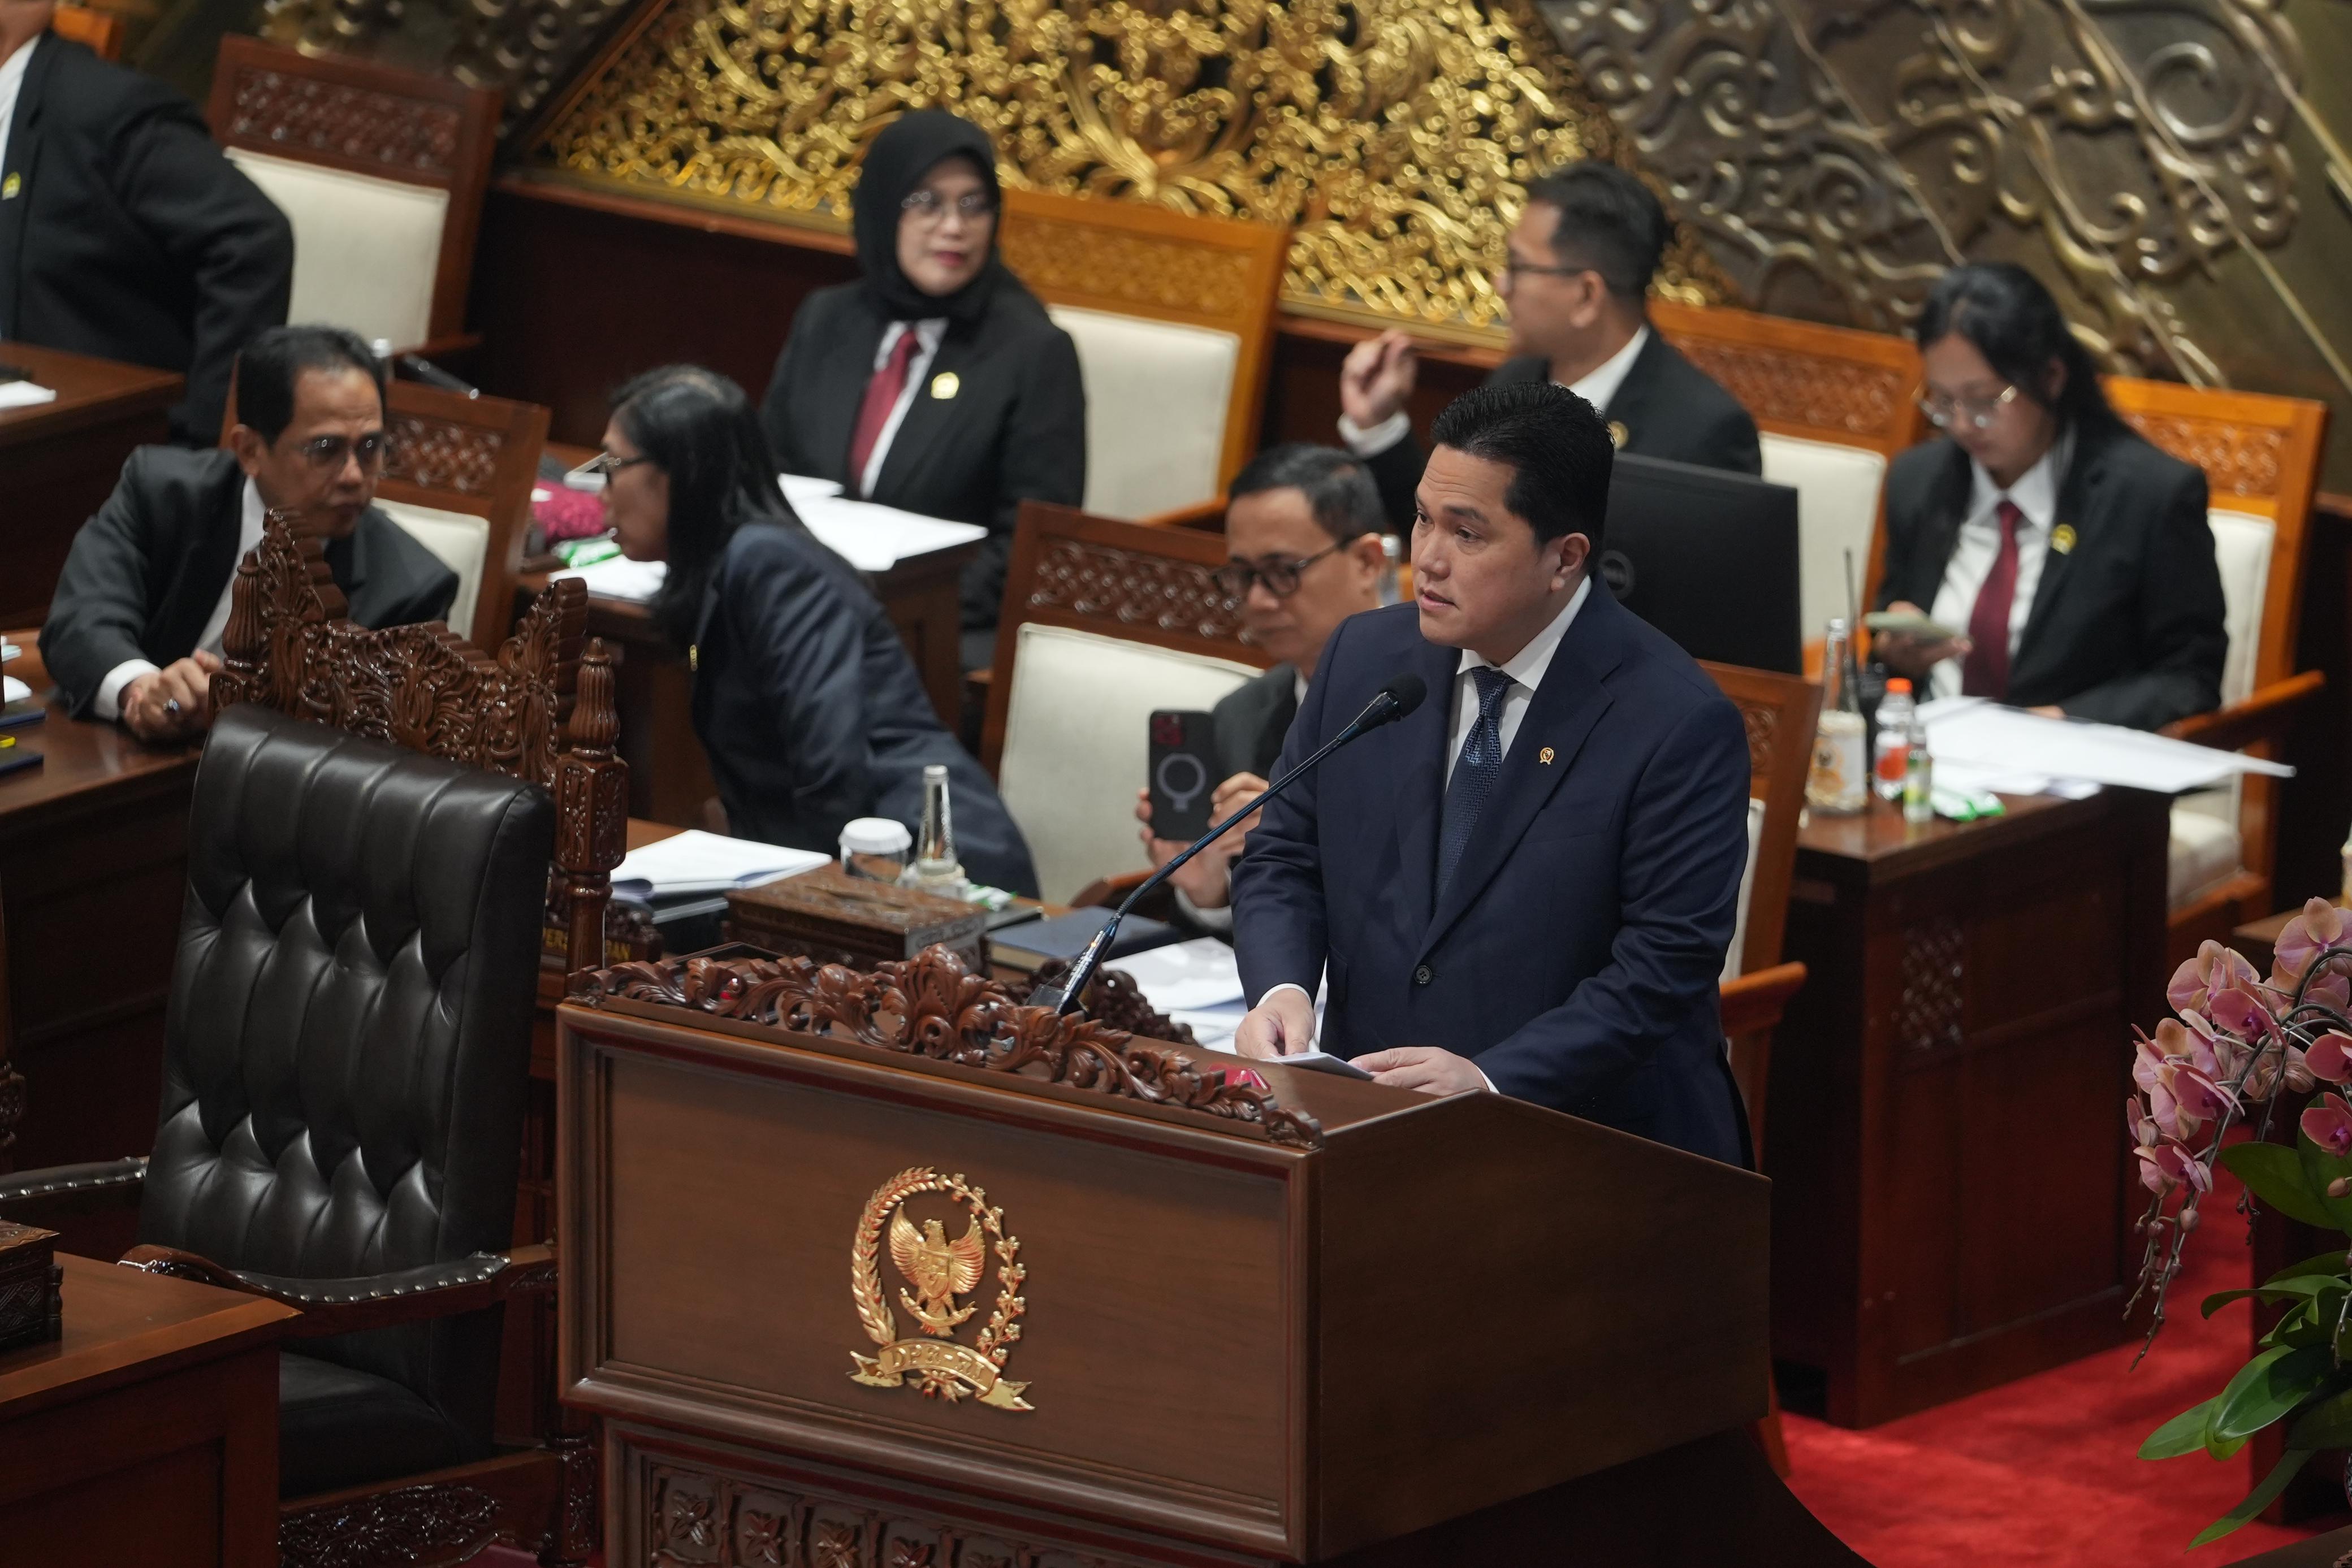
(1422, 740)
(2077, 498)
(218, 514)
(1559, 717)
(16, 178)
(930, 419)
(1629, 405)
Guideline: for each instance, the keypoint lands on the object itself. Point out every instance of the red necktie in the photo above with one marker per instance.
(1985, 672)
(881, 397)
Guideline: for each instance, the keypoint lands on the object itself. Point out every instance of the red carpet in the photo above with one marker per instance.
(2044, 1470)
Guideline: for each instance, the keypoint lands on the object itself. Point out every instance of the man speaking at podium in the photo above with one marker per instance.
(1528, 883)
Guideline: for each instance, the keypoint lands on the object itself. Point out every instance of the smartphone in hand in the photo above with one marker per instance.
(1183, 775)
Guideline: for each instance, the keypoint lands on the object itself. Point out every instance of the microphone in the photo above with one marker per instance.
(421, 368)
(1390, 703)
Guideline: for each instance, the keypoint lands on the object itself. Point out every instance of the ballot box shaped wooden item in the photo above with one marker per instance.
(833, 918)
(915, 1275)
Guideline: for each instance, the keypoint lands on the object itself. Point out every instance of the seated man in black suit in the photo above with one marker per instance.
(1528, 885)
(2073, 557)
(125, 232)
(1581, 257)
(134, 631)
(1302, 527)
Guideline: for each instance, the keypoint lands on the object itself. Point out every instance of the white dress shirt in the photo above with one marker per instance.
(251, 514)
(928, 334)
(1526, 669)
(11, 84)
(1598, 386)
(2035, 495)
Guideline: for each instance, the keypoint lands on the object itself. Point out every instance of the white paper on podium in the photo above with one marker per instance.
(697, 862)
(1971, 737)
(1185, 977)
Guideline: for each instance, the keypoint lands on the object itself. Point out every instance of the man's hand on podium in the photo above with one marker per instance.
(1282, 1024)
(1425, 1068)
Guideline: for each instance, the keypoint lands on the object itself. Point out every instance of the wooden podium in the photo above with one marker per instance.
(878, 1270)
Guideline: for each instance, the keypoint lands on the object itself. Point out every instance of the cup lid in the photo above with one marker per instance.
(875, 836)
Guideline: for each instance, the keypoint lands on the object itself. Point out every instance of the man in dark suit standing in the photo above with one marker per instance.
(124, 231)
(134, 631)
(1303, 526)
(1528, 883)
(1581, 257)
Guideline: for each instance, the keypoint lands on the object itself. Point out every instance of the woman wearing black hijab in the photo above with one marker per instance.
(936, 382)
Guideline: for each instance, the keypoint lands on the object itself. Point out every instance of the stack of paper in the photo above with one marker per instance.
(697, 862)
(1983, 745)
(1194, 983)
(871, 538)
(26, 394)
(618, 577)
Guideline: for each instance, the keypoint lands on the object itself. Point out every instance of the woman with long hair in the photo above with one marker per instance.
(804, 698)
(2070, 557)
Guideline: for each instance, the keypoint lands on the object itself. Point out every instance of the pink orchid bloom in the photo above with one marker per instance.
(2329, 1124)
(2241, 1012)
(2320, 926)
(2330, 1058)
(2215, 969)
(2148, 1059)
(2299, 1077)
(2138, 1125)
(2170, 1164)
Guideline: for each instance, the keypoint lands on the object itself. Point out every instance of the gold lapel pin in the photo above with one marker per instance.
(2061, 539)
(946, 384)
(1618, 434)
(1545, 756)
(10, 186)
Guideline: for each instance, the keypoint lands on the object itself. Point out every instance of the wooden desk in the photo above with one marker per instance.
(59, 460)
(1950, 1198)
(149, 1433)
(93, 867)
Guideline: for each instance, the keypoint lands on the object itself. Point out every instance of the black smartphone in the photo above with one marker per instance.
(1183, 777)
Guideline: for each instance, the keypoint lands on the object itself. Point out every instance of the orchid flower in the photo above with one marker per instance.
(2328, 1124)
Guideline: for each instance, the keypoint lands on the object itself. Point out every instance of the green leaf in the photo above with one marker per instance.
(2266, 1388)
(2300, 1326)
(2290, 1464)
(2276, 1175)
(2326, 1425)
(2319, 1169)
(2184, 1434)
(2325, 1263)
(2309, 1287)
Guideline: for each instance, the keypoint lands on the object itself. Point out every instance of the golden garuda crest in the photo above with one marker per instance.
(938, 1269)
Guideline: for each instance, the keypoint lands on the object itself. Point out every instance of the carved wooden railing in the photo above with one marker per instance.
(931, 1006)
(540, 708)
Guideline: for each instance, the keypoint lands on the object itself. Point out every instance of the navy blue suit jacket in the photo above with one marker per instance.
(1576, 955)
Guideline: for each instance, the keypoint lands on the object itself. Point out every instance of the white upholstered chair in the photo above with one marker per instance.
(379, 171)
(1173, 318)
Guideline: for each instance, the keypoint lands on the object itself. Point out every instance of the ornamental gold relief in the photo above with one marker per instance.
(1396, 135)
(936, 1267)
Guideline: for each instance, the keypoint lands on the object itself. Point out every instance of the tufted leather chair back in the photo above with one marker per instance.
(348, 1045)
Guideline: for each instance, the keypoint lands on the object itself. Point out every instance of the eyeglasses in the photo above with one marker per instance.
(605, 463)
(1280, 577)
(927, 206)
(1975, 412)
(332, 452)
(1515, 269)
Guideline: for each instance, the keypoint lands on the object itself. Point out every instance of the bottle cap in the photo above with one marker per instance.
(875, 836)
(1898, 685)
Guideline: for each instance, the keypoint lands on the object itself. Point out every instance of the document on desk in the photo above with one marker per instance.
(697, 862)
(26, 394)
(618, 577)
(1970, 736)
(871, 538)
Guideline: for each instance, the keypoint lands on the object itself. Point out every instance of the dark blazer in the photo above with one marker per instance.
(1249, 723)
(812, 713)
(1576, 954)
(146, 572)
(2126, 628)
(1015, 431)
(131, 237)
(1669, 407)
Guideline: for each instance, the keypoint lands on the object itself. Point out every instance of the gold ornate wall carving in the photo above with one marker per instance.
(1398, 135)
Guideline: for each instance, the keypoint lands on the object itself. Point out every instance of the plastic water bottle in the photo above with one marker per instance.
(1839, 784)
(935, 868)
(1895, 710)
(1918, 772)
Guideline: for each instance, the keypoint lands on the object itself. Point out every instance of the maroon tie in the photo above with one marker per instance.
(881, 397)
(1985, 672)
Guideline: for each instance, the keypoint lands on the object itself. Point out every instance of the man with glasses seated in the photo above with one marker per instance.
(2071, 558)
(1579, 268)
(134, 629)
(1303, 526)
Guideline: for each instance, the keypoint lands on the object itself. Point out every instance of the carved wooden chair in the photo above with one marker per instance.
(1173, 318)
(1832, 407)
(381, 172)
(410, 719)
(102, 31)
(12, 1083)
(1103, 622)
(2261, 458)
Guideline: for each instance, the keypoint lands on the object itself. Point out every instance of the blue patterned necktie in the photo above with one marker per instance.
(1475, 772)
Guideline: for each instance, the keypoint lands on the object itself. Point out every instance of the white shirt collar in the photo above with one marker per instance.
(1528, 665)
(11, 72)
(1601, 383)
(927, 332)
(2036, 490)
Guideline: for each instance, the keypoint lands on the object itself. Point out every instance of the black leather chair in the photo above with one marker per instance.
(346, 1064)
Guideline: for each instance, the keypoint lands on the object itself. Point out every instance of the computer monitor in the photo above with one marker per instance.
(1707, 557)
